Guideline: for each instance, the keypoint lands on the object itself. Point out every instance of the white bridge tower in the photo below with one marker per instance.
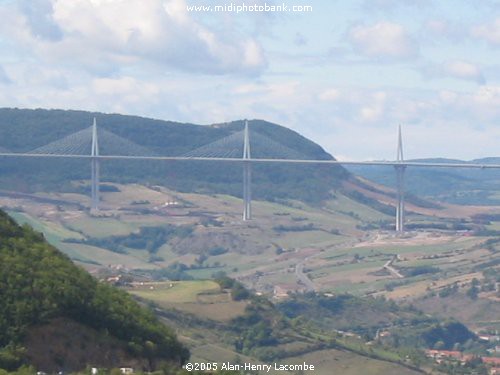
(247, 176)
(400, 174)
(94, 206)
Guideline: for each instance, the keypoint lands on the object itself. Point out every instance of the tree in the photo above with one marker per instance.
(472, 292)
(239, 292)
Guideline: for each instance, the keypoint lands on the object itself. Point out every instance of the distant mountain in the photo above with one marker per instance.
(22, 130)
(55, 316)
(453, 185)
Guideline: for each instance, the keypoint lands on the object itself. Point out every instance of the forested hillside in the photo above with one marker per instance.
(39, 287)
(23, 130)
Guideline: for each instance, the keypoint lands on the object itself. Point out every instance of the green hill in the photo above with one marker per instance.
(23, 130)
(56, 317)
(54, 314)
(407, 327)
(249, 328)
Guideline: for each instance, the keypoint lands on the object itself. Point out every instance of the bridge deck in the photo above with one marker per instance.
(257, 160)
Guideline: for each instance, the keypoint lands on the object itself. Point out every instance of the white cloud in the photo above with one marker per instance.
(448, 97)
(251, 88)
(282, 90)
(464, 70)
(375, 109)
(441, 28)
(490, 33)
(39, 19)
(488, 94)
(125, 55)
(471, 108)
(383, 40)
(127, 86)
(329, 95)
(40, 77)
(103, 35)
(126, 92)
(459, 69)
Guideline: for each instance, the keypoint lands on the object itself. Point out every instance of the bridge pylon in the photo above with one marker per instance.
(94, 153)
(247, 176)
(400, 178)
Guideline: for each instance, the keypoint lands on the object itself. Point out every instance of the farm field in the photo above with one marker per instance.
(348, 363)
(320, 274)
(202, 298)
(284, 243)
(175, 291)
(53, 232)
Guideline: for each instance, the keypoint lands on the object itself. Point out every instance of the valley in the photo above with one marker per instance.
(289, 247)
(318, 275)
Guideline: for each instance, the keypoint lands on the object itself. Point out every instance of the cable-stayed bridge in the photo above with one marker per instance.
(81, 143)
(246, 147)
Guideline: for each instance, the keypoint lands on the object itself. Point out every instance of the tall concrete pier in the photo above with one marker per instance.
(247, 176)
(94, 206)
(400, 174)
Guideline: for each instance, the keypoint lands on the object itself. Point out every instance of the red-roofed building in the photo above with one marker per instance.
(493, 361)
(440, 355)
(493, 364)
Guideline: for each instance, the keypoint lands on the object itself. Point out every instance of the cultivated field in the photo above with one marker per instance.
(286, 243)
(202, 298)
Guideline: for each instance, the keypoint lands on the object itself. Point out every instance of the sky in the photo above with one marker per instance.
(344, 73)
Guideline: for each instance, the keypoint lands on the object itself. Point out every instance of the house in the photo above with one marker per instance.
(488, 338)
(441, 354)
(494, 350)
(493, 364)
(491, 361)
(448, 355)
(283, 290)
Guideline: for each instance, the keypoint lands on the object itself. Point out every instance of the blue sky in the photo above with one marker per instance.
(345, 74)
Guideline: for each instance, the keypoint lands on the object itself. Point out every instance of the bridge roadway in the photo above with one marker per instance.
(241, 160)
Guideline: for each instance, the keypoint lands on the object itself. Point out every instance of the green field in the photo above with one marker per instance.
(293, 240)
(202, 298)
(54, 233)
(331, 362)
(99, 227)
(347, 206)
(176, 291)
(104, 257)
(351, 261)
